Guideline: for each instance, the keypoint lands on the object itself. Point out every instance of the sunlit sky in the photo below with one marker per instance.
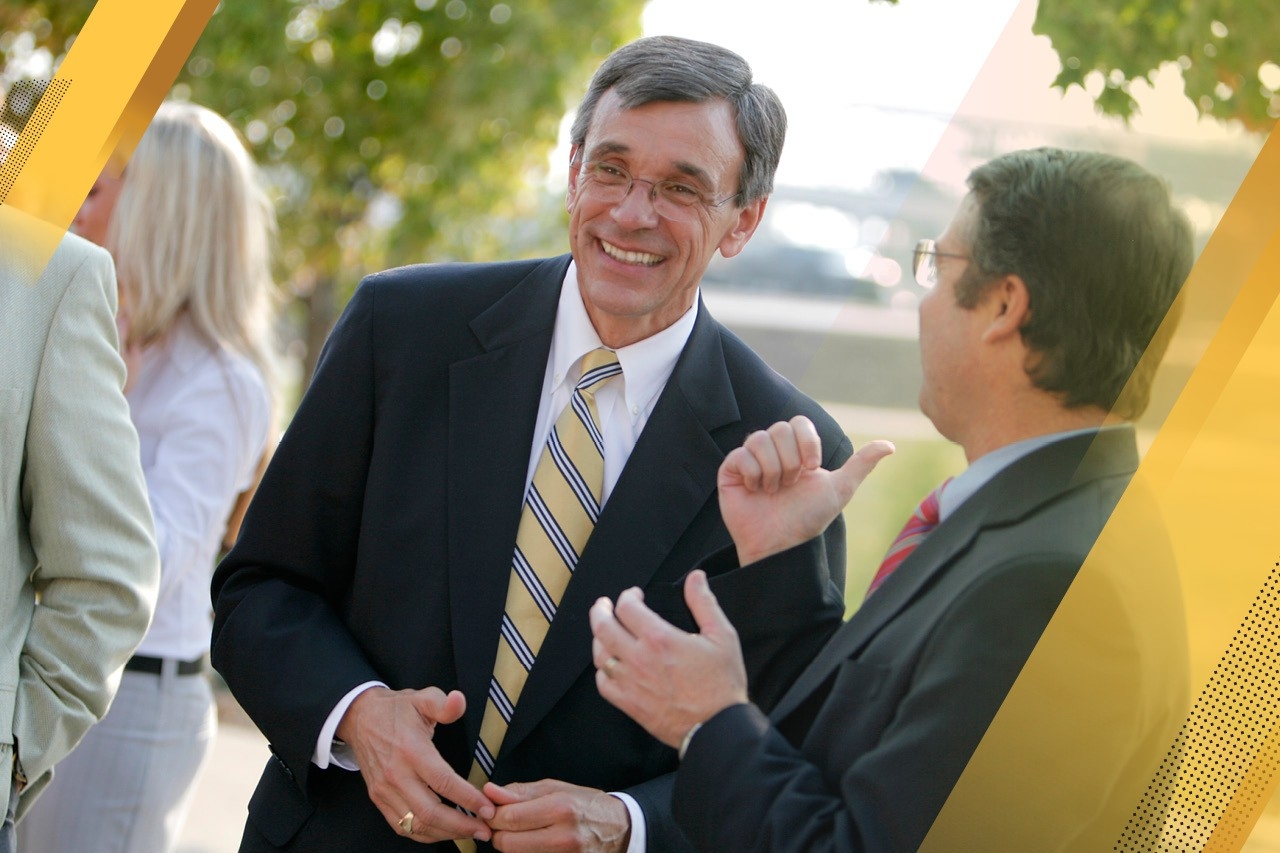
(871, 85)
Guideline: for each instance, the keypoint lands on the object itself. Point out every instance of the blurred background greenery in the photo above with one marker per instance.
(391, 132)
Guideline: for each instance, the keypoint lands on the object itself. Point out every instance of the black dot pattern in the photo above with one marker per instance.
(47, 95)
(1217, 775)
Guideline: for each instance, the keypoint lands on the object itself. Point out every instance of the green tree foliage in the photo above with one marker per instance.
(393, 132)
(1227, 50)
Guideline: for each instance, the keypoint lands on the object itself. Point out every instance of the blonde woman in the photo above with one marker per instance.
(189, 228)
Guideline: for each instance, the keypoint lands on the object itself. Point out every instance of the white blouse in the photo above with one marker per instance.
(202, 415)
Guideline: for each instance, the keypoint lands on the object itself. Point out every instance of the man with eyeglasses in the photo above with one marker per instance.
(1046, 289)
(484, 451)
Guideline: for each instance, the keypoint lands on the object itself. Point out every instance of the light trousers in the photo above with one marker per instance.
(127, 786)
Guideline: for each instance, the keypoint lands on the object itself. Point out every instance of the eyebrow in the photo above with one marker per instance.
(698, 173)
(605, 148)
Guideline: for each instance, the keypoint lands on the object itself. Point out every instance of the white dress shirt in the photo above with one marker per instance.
(624, 404)
(202, 415)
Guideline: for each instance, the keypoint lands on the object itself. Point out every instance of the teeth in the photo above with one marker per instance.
(643, 258)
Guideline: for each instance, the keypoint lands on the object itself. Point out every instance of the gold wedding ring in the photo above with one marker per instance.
(609, 665)
(406, 823)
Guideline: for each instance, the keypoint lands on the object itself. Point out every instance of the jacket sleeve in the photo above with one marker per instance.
(784, 612)
(744, 786)
(90, 525)
(278, 637)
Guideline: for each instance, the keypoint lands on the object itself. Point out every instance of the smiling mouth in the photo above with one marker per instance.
(643, 259)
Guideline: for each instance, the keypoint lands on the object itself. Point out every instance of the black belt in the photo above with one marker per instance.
(142, 663)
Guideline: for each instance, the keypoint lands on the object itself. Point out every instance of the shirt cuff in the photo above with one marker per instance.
(637, 842)
(330, 750)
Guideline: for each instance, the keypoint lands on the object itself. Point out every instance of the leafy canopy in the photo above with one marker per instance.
(392, 131)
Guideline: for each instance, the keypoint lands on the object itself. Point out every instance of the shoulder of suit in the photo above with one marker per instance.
(31, 250)
(417, 279)
(440, 296)
(43, 276)
(74, 251)
(771, 391)
(78, 248)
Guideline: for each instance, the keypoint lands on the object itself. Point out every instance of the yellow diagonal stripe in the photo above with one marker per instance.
(119, 68)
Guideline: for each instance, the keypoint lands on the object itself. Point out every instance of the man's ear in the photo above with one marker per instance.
(575, 169)
(744, 226)
(1007, 303)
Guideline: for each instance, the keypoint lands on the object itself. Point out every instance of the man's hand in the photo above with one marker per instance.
(390, 733)
(555, 816)
(661, 677)
(774, 493)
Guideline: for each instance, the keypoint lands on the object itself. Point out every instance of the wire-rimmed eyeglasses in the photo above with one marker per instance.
(610, 182)
(924, 264)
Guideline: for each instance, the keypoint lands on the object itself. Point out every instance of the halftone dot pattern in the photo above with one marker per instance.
(49, 94)
(1219, 772)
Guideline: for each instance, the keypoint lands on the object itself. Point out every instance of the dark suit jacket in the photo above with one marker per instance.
(862, 751)
(379, 546)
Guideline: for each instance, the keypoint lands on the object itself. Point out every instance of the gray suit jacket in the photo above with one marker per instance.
(75, 526)
(866, 745)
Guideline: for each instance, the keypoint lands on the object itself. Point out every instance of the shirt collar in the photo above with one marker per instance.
(646, 364)
(965, 485)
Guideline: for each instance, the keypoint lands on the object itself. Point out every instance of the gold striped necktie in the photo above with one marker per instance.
(560, 511)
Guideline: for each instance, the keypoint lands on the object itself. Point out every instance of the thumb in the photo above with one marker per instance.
(850, 475)
(434, 705)
(703, 605)
(504, 795)
(519, 792)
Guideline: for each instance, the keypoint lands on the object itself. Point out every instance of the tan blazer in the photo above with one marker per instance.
(75, 527)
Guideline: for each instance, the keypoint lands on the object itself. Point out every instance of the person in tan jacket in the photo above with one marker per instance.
(78, 564)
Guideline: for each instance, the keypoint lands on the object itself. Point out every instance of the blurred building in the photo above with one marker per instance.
(849, 245)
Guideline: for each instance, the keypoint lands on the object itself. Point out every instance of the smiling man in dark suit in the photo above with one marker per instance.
(1047, 287)
(372, 617)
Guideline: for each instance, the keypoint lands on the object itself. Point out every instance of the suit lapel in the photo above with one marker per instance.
(933, 555)
(1013, 494)
(493, 406)
(667, 481)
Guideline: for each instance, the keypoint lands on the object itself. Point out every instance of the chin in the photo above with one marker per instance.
(617, 294)
(931, 412)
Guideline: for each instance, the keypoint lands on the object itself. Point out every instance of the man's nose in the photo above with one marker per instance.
(637, 206)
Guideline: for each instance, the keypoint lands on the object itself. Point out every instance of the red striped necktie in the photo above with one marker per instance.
(923, 520)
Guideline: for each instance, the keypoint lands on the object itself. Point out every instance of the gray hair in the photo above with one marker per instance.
(668, 68)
